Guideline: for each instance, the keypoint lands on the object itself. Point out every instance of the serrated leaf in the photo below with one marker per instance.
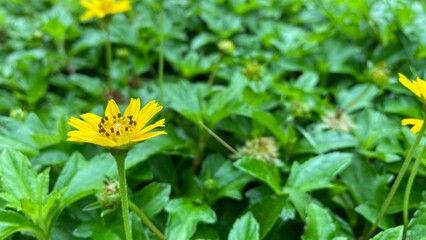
(20, 180)
(184, 215)
(185, 98)
(245, 227)
(317, 172)
(261, 170)
(152, 198)
(395, 233)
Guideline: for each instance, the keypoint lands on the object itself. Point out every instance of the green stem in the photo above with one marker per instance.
(398, 179)
(212, 75)
(146, 220)
(108, 53)
(120, 156)
(161, 52)
(410, 184)
(219, 139)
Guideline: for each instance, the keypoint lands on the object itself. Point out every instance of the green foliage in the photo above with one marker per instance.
(319, 77)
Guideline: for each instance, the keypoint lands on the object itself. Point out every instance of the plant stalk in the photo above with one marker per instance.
(108, 53)
(146, 221)
(161, 52)
(398, 179)
(411, 181)
(120, 156)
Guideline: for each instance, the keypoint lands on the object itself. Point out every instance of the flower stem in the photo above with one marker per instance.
(161, 52)
(108, 47)
(409, 186)
(212, 75)
(398, 179)
(219, 139)
(146, 220)
(120, 156)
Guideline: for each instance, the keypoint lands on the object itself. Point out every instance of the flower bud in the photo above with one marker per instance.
(226, 47)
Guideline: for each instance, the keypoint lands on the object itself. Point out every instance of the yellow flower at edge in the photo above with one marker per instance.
(100, 8)
(417, 124)
(116, 130)
(418, 87)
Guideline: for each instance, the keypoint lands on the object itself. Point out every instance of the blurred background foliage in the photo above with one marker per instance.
(319, 77)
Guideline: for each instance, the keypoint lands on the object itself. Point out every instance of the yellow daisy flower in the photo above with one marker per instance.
(418, 87)
(100, 8)
(116, 130)
(417, 124)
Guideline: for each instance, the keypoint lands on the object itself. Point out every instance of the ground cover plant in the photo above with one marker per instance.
(212, 119)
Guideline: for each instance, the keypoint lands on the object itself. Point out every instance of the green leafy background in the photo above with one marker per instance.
(320, 77)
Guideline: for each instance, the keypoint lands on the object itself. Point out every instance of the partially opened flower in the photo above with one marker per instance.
(417, 124)
(418, 87)
(117, 130)
(101, 8)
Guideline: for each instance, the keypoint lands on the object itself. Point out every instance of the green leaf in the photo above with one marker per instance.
(11, 222)
(185, 99)
(184, 215)
(267, 211)
(20, 181)
(314, 141)
(269, 121)
(318, 172)
(370, 212)
(226, 102)
(395, 233)
(261, 170)
(319, 223)
(152, 198)
(360, 172)
(322, 224)
(81, 178)
(14, 144)
(45, 140)
(245, 227)
(357, 97)
(141, 152)
(222, 179)
(417, 227)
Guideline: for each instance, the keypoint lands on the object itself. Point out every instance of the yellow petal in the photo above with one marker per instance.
(408, 84)
(121, 6)
(159, 123)
(148, 136)
(147, 113)
(92, 119)
(79, 136)
(133, 108)
(80, 124)
(417, 124)
(111, 109)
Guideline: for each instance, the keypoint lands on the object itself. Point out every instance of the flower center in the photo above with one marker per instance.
(118, 126)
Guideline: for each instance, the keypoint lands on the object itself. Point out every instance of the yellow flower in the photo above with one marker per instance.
(100, 8)
(417, 124)
(418, 87)
(116, 130)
